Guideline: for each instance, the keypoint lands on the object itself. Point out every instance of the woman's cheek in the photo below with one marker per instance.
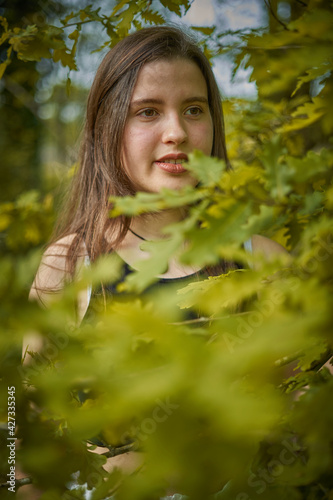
(142, 137)
(204, 139)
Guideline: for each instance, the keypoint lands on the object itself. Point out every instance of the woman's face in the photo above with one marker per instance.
(168, 118)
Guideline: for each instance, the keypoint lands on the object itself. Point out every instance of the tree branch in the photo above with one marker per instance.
(269, 6)
(204, 319)
(119, 450)
(18, 482)
(79, 22)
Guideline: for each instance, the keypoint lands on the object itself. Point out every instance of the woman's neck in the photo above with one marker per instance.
(151, 226)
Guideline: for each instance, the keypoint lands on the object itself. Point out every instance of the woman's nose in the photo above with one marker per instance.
(174, 130)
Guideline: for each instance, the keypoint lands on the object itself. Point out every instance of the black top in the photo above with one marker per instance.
(114, 290)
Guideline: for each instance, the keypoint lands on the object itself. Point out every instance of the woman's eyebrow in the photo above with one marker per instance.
(144, 102)
(151, 100)
(202, 99)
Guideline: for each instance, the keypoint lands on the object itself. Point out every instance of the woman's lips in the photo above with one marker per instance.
(172, 164)
(171, 168)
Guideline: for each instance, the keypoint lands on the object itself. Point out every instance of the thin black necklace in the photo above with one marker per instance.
(137, 235)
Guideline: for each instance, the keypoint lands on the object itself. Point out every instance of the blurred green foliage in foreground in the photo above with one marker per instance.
(235, 401)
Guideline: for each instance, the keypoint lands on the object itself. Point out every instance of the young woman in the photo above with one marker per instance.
(153, 101)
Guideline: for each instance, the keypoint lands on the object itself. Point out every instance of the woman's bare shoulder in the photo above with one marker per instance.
(269, 248)
(53, 269)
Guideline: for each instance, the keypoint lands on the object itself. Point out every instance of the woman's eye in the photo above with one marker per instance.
(148, 113)
(193, 111)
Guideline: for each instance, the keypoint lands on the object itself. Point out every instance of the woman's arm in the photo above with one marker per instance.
(50, 280)
(52, 273)
(266, 247)
(270, 249)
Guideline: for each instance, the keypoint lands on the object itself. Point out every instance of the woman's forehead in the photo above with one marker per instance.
(176, 75)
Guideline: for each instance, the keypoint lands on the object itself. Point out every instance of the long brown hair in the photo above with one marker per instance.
(100, 173)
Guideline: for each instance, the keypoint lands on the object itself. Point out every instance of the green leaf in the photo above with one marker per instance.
(152, 17)
(313, 355)
(266, 221)
(157, 264)
(4, 65)
(218, 293)
(151, 202)
(316, 23)
(312, 202)
(68, 18)
(277, 171)
(74, 35)
(206, 169)
(305, 115)
(66, 58)
(234, 182)
(119, 5)
(32, 44)
(126, 18)
(94, 15)
(207, 244)
(311, 166)
(4, 37)
(312, 74)
(4, 23)
(173, 6)
(83, 15)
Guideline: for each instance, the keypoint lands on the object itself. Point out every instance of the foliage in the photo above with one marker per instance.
(218, 381)
(37, 41)
(19, 165)
(25, 223)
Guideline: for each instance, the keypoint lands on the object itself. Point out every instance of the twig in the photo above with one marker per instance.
(269, 6)
(119, 450)
(203, 319)
(325, 490)
(18, 482)
(79, 22)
